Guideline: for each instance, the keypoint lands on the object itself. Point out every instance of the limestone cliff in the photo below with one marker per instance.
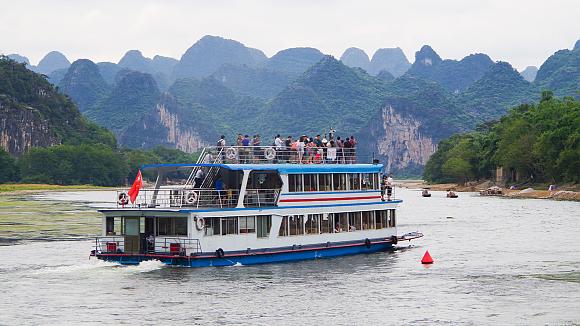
(399, 140)
(169, 125)
(22, 128)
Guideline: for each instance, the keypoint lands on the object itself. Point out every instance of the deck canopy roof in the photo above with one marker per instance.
(282, 168)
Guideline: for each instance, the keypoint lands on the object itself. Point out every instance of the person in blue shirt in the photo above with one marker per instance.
(219, 187)
(245, 153)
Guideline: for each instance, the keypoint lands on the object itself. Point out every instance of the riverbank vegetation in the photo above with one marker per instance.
(537, 142)
(85, 164)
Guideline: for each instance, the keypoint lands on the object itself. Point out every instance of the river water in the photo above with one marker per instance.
(497, 261)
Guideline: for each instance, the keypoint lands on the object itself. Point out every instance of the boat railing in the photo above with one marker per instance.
(272, 154)
(261, 197)
(171, 245)
(110, 244)
(199, 198)
(176, 246)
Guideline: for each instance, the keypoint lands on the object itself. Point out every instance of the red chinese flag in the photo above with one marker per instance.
(137, 184)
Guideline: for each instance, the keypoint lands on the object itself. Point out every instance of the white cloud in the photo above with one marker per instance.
(520, 32)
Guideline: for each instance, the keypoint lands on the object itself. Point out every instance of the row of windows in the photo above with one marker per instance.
(336, 222)
(168, 226)
(334, 181)
(239, 225)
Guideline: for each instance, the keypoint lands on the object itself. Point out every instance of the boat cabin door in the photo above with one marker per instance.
(132, 238)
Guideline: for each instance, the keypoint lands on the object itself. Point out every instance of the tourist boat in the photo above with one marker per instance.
(425, 193)
(251, 206)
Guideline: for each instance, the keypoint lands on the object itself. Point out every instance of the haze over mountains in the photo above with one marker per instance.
(398, 110)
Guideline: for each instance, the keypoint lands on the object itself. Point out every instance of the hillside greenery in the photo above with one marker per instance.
(541, 142)
(26, 89)
(87, 154)
(561, 73)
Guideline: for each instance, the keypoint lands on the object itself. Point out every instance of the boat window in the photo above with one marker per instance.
(354, 181)
(110, 226)
(384, 218)
(368, 220)
(310, 182)
(367, 181)
(313, 224)
(375, 181)
(378, 220)
(326, 225)
(392, 222)
(283, 227)
(264, 223)
(340, 222)
(171, 226)
(212, 226)
(354, 221)
(295, 182)
(180, 226)
(339, 181)
(247, 224)
(164, 226)
(229, 225)
(296, 224)
(324, 182)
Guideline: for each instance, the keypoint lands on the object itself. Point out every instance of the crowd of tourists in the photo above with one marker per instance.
(303, 149)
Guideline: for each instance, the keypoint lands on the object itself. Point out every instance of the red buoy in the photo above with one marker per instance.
(427, 258)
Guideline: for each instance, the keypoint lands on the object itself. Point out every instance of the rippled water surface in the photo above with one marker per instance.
(497, 261)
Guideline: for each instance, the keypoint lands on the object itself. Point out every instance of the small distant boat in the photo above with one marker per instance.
(425, 193)
(451, 194)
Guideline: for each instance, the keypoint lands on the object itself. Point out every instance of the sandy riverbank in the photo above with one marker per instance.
(563, 194)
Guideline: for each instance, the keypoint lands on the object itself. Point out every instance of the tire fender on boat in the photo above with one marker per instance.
(199, 223)
(368, 243)
(219, 253)
(269, 153)
(123, 199)
(394, 239)
(191, 197)
(231, 153)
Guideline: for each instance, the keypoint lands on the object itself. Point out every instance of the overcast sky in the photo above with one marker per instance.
(520, 32)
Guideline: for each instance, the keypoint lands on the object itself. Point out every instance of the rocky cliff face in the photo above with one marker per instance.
(397, 140)
(165, 125)
(22, 128)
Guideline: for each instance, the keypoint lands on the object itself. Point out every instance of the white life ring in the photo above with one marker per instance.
(191, 197)
(231, 153)
(123, 199)
(269, 153)
(199, 223)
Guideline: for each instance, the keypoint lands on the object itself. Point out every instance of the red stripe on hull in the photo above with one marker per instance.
(327, 199)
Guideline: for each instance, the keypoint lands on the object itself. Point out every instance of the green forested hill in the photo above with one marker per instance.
(84, 84)
(500, 87)
(329, 94)
(539, 141)
(455, 76)
(561, 73)
(22, 90)
(134, 94)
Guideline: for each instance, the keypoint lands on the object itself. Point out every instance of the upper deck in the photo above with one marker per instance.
(235, 177)
(280, 155)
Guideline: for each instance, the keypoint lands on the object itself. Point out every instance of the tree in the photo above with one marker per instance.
(8, 168)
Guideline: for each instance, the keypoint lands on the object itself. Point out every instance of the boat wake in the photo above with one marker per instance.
(64, 269)
(145, 266)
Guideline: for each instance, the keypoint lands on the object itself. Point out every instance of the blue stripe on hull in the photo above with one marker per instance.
(257, 259)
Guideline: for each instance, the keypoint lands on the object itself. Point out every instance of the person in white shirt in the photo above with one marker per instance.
(198, 179)
(390, 184)
(278, 143)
